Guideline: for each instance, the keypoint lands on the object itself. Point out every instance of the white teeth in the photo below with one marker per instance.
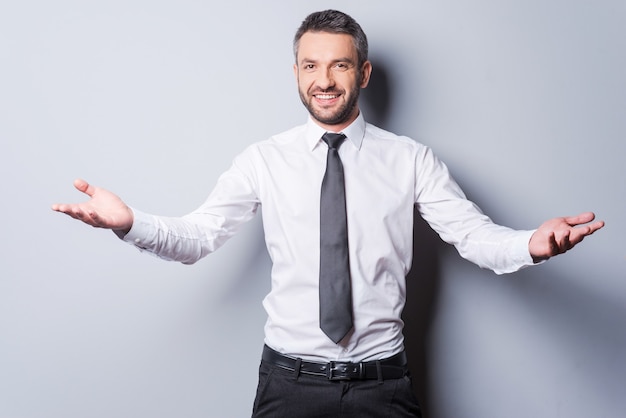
(326, 96)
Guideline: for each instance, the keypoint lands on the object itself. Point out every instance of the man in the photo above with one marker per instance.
(348, 362)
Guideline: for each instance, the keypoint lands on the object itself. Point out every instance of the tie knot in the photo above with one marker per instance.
(333, 140)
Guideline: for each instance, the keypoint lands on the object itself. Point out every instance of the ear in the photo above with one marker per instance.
(295, 71)
(366, 72)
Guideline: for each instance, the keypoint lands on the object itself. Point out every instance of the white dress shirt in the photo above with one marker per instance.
(386, 176)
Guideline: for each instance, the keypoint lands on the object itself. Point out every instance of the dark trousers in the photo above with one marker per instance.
(285, 394)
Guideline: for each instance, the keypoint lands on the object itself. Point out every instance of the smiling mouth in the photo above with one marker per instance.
(326, 96)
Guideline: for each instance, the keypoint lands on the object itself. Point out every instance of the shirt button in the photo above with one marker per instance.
(137, 240)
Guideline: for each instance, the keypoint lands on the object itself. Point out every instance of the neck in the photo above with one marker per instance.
(338, 127)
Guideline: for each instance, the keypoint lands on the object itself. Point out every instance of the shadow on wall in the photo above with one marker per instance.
(421, 304)
(376, 98)
(423, 279)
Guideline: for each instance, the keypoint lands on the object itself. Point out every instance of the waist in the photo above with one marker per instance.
(394, 367)
(376, 334)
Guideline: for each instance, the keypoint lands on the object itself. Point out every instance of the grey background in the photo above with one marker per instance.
(524, 100)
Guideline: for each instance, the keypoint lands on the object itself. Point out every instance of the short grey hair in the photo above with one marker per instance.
(333, 21)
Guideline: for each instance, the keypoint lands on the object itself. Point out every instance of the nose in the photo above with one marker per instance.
(325, 80)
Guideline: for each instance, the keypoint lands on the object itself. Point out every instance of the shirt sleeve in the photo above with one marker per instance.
(191, 237)
(459, 222)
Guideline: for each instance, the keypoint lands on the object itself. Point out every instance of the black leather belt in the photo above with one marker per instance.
(391, 368)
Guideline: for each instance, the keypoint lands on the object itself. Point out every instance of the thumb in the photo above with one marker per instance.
(82, 186)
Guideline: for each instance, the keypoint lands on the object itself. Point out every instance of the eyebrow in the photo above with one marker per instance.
(343, 59)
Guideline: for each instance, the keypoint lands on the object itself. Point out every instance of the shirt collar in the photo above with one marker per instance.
(354, 132)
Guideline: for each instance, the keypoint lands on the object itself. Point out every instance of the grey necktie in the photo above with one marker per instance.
(334, 286)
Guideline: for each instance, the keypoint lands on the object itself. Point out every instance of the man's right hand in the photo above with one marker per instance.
(103, 210)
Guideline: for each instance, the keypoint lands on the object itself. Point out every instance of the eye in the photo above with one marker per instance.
(309, 67)
(341, 66)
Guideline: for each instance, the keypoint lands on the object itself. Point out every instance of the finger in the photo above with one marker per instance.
(82, 186)
(583, 231)
(566, 243)
(580, 219)
(595, 226)
(95, 219)
(560, 242)
(88, 216)
(69, 210)
(74, 211)
(578, 234)
(60, 207)
(553, 246)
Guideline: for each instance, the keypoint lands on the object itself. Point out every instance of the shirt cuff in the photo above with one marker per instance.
(519, 249)
(141, 231)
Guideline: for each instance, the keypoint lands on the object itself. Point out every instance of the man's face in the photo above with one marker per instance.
(329, 78)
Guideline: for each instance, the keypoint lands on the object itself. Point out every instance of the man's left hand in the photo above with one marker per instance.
(559, 235)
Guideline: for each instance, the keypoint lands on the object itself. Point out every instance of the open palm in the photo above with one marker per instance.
(103, 210)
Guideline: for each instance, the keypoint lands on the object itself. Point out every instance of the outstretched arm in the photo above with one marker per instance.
(559, 235)
(103, 210)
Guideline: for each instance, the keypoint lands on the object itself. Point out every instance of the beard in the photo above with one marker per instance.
(340, 115)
